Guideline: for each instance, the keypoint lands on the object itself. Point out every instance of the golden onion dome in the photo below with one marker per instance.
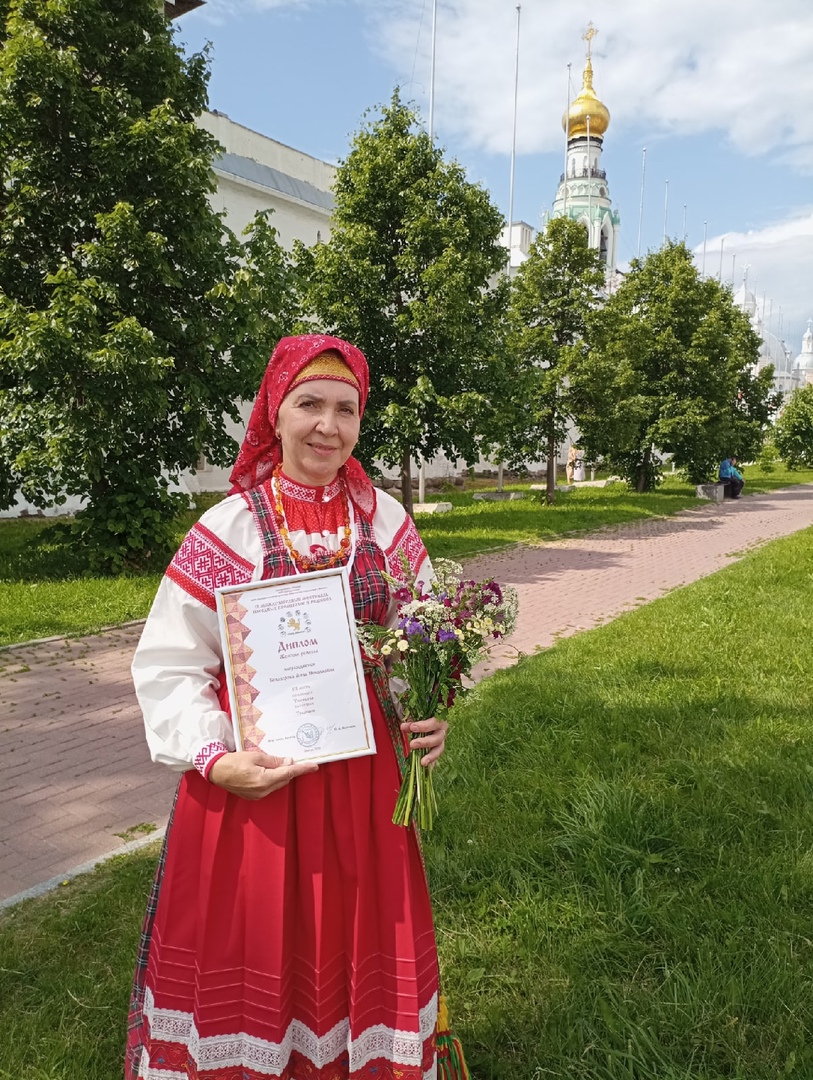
(586, 104)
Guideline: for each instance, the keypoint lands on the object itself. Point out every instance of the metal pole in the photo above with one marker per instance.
(703, 268)
(720, 275)
(432, 72)
(641, 208)
(684, 223)
(567, 141)
(665, 211)
(513, 149)
(733, 264)
(763, 327)
(589, 189)
(421, 462)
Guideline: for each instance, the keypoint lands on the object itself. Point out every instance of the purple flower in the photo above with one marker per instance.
(412, 628)
(493, 589)
(447, 635)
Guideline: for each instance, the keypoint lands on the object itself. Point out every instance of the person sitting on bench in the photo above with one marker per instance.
(730, 474)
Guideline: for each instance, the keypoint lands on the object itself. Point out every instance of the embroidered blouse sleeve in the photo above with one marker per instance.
(399, 539)
(177, 665)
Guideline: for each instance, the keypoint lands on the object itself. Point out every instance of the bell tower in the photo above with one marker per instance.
(584, 194)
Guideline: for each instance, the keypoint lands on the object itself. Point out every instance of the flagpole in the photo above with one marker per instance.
(641, 208)
(684, 223)
(500, 468)
(589, 189)
(432, 71)
(567, 141)
(705, 231)
(720, 275)
(513, 148)
(421, 461)
(665, 211)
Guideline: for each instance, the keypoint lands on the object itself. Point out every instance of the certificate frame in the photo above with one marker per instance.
(297, 689)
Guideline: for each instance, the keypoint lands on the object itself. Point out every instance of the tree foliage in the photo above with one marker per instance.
(793, 434)
(405, 276)
(118, 288)
(671, 368)
(551, 297)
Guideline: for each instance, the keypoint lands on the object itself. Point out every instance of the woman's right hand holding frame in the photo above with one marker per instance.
(252, 774)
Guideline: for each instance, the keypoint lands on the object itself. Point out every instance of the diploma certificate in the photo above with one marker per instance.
(293, 667)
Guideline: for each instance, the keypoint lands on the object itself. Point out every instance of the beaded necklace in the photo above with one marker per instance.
(305, 563)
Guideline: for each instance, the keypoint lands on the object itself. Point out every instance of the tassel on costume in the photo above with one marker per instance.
(451, 1063)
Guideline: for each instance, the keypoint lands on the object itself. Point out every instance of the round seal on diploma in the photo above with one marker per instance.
(307, 735)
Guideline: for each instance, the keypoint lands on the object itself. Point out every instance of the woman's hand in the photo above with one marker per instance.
(253, 775)
(432, 737)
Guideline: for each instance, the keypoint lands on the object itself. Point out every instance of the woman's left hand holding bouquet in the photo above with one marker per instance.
(428, 735)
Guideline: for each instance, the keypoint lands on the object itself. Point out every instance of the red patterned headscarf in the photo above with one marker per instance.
(261, 451)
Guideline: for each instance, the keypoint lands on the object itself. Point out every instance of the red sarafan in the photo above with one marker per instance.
(289, 931)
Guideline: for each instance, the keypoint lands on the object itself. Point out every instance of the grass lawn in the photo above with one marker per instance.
(473, 527)
(46, 589)
(622, 869)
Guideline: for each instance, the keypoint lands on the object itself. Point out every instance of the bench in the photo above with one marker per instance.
(715, 492)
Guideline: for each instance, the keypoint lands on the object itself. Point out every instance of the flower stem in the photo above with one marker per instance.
(417, 794)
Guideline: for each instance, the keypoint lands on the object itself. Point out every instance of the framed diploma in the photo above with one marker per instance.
(293, 667)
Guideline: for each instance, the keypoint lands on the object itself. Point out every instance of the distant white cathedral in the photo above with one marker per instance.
(789, 374)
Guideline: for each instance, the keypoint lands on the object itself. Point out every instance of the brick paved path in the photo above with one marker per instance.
(76, 779)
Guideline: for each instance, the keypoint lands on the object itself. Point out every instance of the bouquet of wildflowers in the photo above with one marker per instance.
(439, 637)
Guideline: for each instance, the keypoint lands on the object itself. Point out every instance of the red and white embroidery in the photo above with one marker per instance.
(208, 755)
(406, 542)
(377, 1051)
(309, 494)
(204, 563)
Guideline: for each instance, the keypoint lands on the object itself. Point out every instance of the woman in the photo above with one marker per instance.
(570, 465)
(289, 932)
(578, 467)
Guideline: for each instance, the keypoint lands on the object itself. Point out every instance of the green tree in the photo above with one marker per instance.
(671, 369)
(405, 276)
(551, 297)
(793, 434)
(118, 286)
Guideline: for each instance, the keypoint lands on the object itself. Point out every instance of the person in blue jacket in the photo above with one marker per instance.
(730, 474)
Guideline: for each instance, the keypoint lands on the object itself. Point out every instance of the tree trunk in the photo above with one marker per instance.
(550, 479)
(406, 481)
(643, 473)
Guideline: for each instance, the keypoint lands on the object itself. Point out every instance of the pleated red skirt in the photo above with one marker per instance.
(292, 936)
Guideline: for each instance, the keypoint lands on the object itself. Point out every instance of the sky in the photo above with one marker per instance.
(717, 93)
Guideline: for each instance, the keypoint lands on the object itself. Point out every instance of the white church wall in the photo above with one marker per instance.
(240, 198)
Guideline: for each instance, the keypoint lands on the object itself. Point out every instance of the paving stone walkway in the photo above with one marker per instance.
(76, 780)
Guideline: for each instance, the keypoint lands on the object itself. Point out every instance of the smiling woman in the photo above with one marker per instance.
(318, 423)
(289, 932)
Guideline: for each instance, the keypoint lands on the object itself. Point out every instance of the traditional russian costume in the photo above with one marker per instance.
(290, 936)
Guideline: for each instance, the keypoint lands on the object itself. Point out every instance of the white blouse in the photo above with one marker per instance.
(177, 664)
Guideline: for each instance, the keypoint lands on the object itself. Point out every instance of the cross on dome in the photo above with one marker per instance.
(587, 111)
(588, 36)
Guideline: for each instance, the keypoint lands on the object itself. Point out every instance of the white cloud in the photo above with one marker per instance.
(698, 66)
(778, 259)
